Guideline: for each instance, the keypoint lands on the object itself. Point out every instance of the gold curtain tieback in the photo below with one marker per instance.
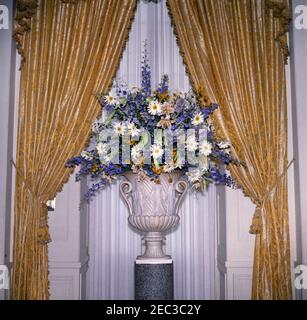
(43, 232)
(256, 226)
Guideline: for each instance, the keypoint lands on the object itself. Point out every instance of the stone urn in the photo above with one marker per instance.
(153, 208)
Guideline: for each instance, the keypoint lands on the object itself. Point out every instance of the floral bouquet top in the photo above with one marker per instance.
(151, 132)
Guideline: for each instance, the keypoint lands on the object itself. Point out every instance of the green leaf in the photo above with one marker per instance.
(109, 117)
(144, 139)
(201, 183)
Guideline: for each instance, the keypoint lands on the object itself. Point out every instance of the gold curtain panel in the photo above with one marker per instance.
(72, 50)
(235, 51)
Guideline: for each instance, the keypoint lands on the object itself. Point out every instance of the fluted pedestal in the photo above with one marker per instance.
(154, 279)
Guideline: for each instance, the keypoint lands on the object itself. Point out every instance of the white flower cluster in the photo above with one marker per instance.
(121, 127)
(205, 147)
(164, 110)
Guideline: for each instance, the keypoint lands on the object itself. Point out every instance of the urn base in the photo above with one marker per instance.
(153, 247)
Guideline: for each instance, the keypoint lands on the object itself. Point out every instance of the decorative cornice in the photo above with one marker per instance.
(281, 11)
(25, 9)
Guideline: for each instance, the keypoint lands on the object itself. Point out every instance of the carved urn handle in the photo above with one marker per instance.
(125, 188)
(181, 187)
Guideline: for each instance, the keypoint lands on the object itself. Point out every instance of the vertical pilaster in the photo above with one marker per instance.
(7, 101)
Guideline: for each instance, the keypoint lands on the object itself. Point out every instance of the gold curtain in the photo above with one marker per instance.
(71, 50)
(235, 51)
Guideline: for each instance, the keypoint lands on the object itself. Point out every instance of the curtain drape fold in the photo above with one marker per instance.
(72, 50)
(234, 51)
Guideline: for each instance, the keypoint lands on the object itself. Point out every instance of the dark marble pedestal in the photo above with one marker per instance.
(154, 280)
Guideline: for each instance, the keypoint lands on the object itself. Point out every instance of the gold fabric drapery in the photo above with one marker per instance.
(72, 50)
(235, 50)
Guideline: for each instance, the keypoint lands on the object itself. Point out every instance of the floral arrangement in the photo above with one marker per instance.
(135, 117)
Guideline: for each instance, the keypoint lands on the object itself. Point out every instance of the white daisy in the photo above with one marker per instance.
(169, 167)
(95, 126)
(191, 144)
(179, 94)
(156, 151)
(109, 99)
(198, 119)
(179, 164)
(225, 146)
(135, 152)
(102, 148)
(154, 107)
(194, 175)
(134, 89)
(136, 155)
(205, 148)
(133, 130)
(86, 155)
(119, 128)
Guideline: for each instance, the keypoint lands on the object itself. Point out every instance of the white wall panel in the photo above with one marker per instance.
(8, 99)
(68, 251)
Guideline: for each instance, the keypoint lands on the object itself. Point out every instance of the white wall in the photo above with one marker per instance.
(68, 251)
(7, 102)
(234, 244)
(298, 42)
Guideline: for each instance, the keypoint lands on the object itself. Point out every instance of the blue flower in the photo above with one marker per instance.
(179, 106)
(163, 86)
(145, 72)
(132, 106)
(108, 107)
